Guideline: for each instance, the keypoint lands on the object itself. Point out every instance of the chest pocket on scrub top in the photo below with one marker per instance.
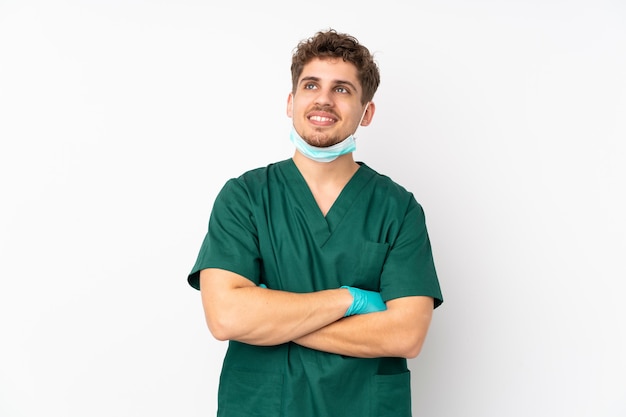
(372, 257)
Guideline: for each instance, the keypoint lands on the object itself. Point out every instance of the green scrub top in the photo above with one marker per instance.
(266, 226)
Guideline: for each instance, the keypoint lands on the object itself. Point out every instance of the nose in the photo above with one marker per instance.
(324, 98)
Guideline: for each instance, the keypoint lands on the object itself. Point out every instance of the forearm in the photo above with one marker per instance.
(399, 331)
(236, 309)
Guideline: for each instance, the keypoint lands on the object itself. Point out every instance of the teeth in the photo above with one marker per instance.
(321, 119)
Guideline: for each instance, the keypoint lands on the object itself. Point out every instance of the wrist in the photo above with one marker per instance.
(346, 299)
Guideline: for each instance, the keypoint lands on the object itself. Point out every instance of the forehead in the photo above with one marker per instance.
(332, 70)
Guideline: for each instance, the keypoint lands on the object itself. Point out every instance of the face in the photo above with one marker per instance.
(326, 107)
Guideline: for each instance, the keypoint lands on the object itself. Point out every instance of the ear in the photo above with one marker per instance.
(290, 105)
(369, 114)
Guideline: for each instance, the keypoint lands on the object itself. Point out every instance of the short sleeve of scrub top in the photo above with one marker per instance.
(409, 269)
(231, 242)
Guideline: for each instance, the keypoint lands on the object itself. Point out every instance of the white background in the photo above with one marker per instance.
(121, 120)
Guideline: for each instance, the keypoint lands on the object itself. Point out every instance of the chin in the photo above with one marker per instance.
(321, 142)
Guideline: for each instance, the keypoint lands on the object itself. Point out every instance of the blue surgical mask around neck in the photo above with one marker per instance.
(318, 154)
(327, 154)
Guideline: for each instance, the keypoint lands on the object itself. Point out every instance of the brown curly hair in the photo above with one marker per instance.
(330, 44)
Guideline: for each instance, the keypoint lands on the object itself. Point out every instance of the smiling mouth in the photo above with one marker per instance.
(321, 119)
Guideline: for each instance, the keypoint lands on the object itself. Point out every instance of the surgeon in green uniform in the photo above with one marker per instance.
(317, 269)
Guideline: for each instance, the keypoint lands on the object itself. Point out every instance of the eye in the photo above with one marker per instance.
(309, 86)
(342, 90)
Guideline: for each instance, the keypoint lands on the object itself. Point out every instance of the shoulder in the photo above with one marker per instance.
(250, 188)
(385, 188)
(255, 178)
(259, 176)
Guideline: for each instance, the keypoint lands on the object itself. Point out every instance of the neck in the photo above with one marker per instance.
(326, 179)
(339, 170)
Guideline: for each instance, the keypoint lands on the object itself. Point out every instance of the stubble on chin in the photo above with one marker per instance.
(320, 140)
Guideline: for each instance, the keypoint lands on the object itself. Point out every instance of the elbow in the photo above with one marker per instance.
(413, 351)
(409, 321)
(225, 329)
(220, 328)
(410, 347)
(219, 334)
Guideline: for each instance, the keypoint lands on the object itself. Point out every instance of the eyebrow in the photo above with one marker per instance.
(338, 82)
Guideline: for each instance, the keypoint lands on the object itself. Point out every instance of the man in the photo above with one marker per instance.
(317, 269)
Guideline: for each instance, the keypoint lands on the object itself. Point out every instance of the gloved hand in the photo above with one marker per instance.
(364, 302)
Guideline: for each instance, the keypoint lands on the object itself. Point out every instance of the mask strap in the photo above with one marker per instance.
(362, 117)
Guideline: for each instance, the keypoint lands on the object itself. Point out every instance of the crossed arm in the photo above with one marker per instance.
(236, 309)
